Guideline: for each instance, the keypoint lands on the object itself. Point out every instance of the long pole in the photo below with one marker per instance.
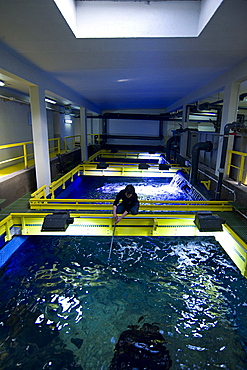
(111, 242)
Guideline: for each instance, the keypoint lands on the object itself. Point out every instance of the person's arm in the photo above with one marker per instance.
(122, 216)
(116, 201)
(115, 212)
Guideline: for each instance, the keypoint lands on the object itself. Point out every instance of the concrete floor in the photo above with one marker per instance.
(21, 205)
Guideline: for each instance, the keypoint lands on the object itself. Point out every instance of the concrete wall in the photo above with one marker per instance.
(19, 184)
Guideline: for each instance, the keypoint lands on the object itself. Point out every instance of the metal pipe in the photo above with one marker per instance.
(235, 126)
(169, 143)
(207, 146)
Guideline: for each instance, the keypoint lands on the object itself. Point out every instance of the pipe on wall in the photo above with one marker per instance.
(235, 126)
(172, 140)
(207, 146)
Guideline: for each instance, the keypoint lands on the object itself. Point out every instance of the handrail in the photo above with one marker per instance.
(73, 137)
(95, 155)
(5, 226)
(129, 155)
(58, 147)
(40, 193)
(145, 205)
(6, 146)
(124, 154)
(61, 182)
(96, 138)
(239, 168)
(114, 169)
(169, 224)
(15, 145)
(25, 157)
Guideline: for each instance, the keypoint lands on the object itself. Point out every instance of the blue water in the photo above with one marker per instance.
(103, 187)
(64, 306)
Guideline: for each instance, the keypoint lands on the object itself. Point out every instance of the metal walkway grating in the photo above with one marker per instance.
(237, 222)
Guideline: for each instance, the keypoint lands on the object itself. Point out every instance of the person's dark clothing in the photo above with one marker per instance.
(131, 205)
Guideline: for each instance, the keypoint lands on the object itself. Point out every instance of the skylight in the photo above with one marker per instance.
(137, 19)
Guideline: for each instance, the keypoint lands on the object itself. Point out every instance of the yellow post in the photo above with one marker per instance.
(241, 169)
(8, 226)
(58, 145)
(44, 192)
(23, 224)
(155, 226)
(52, 191)
(229, 162)
(25, 155)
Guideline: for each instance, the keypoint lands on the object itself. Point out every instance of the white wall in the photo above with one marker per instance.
(127, 127)
(133, 127)
(15, 127)
(50, 124)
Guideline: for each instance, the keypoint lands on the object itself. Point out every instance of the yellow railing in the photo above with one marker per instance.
(123, 154)
(94, 139)
(94, 156)
(240, 168)
(57, 147)
(5, 226)
(62, 181)
(113, 169)
(40, 201)
(25, 157)
(72, 142)
(145, 205)
(40, 193)
(170, 224)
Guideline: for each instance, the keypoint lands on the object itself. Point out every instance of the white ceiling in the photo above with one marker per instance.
(117, 74)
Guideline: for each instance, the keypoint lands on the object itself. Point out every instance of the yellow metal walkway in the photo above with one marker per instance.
(171, 224)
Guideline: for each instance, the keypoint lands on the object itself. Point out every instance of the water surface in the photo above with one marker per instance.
(103, 187)
(64, 305)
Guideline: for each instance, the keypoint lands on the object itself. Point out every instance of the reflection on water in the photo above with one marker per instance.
(65, 306)
(107, 188)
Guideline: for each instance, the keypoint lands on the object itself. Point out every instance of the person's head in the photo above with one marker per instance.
(129, 191)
